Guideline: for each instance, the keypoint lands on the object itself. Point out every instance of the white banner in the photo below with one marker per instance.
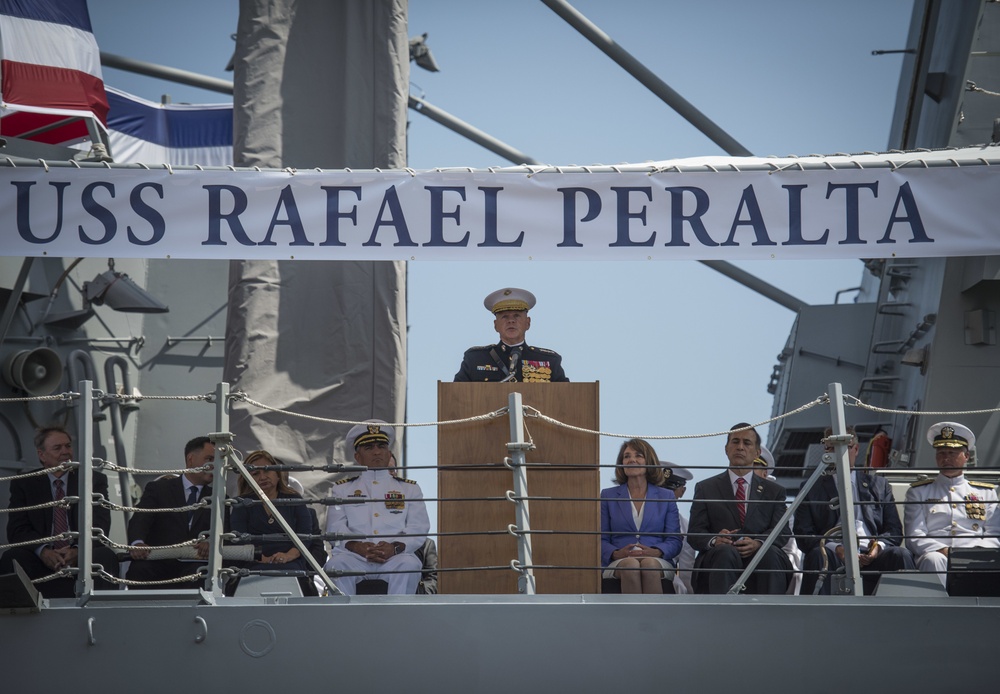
(636, 213)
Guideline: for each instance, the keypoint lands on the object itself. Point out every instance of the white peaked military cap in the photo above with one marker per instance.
(677, 476)
(509, 299)
(950, 435)
(765, 459)
(371, 430)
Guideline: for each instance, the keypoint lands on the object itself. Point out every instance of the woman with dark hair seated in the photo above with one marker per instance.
(257, 519)
(640, 529)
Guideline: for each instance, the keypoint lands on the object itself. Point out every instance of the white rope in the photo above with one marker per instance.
(204, 503)
(190, 552)
(971, 87)
(147, 584)
(532, 412)
(852, 401)
(40, 472)
(43, 398)
(114, 467)
(108, 542)
(41, 540)
(475, 418)
(65, 501)
(125, 398)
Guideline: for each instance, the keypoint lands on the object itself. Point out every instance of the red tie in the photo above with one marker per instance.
(60, 521)
(741, 498)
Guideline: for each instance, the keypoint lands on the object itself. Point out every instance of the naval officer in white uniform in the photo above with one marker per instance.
(948, 510)
(394, 521)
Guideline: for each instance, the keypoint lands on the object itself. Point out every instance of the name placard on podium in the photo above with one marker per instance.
(471, 457)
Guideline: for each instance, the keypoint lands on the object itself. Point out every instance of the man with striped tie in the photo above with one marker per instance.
(731, 515)
(54, 447)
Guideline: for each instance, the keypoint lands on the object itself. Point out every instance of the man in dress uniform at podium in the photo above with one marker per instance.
(948, 510)
(511, 359)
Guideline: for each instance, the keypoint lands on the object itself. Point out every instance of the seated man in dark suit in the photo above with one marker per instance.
(731, 516)
(54, 448)
(880, 532)
(511, 359)
(157, 529)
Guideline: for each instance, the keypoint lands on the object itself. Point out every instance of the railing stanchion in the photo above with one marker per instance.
(85, 489)
(516, 448)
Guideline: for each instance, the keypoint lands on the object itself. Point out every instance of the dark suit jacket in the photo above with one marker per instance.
(169, 528)
(709, 516)
(478, 363)
(24, 526)
(253, 520)
(618, 528)
(814, 516)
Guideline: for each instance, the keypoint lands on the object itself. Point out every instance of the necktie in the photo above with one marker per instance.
(192, 500)
(60, 519)
(859, 519)
(741, 499)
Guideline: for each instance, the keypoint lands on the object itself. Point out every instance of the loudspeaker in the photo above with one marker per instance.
(974, 571)
(36, 371)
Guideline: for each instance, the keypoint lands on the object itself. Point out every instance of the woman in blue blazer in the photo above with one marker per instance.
(640, 528)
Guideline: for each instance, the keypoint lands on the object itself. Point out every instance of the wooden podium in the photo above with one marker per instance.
(472, 483)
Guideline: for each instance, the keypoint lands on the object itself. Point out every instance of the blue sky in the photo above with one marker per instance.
(678, 348)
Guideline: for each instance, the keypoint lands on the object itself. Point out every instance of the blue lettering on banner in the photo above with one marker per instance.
(98, 212)
(905, 197)
(795, 220)
(396, 220)
(678, 218)
(569, 213)
(491, 237)
(853, 208)
(623, 215)
(438, 215)
(334, 215)
(155, 219)
(286, 200)
(232, 218)
(24, 210)
(748, 202)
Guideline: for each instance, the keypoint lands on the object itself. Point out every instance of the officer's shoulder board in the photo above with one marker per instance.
(479, 348)
(920, 483)
(403, 479)
(545, 351)
(348, 479)
(982, 485)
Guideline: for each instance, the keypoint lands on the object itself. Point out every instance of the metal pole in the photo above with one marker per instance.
(653, 83)
(223, 440)
(737, 587)
(516, 448)
(215, 84)
(849, 538)
(141, 67)
(768, 291)
(85, 489)
(469, 132)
